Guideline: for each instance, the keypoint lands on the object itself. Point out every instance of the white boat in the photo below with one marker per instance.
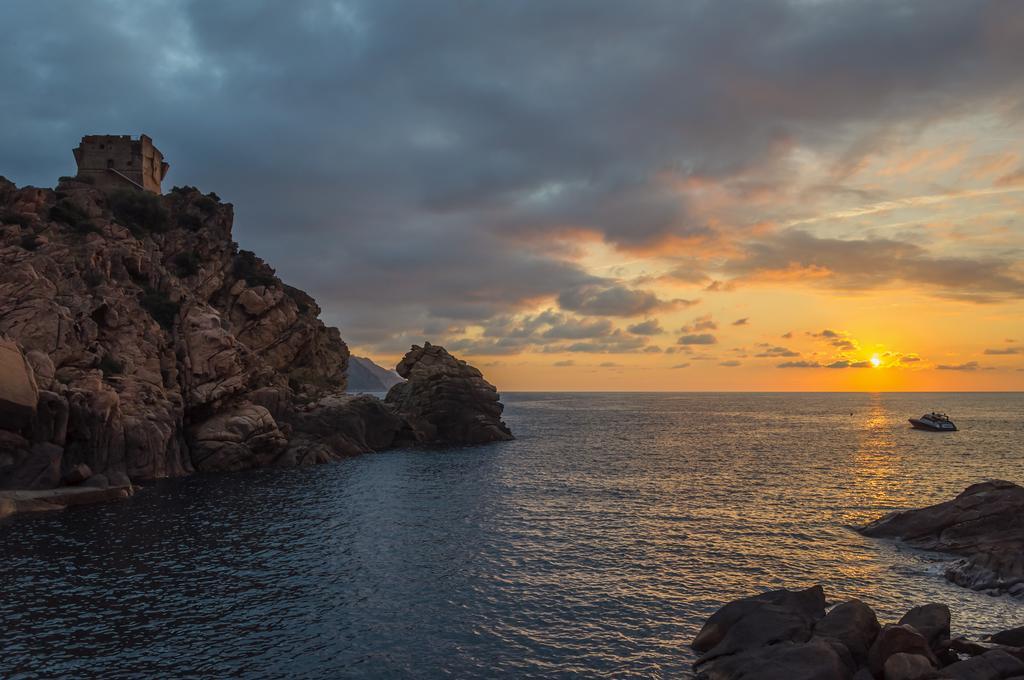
(936, 422)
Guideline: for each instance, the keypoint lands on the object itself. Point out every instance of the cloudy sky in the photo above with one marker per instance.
(718, 194)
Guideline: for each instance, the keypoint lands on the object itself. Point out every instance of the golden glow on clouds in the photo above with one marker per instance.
(943, 205)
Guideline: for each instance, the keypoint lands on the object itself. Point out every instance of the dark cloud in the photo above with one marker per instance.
(969, 366)
(841, 340)
(777, 352)
(616, 343)
(550, 332)
(697, 339)
(648, 327)
(841, 363)
(870, 263)
(741, 322)
(701, 323)
(730, 363)
(684, 365)
(410, 164)
(720, 287)
(564, 363)
(613, 299)
(1005, 350)
(577, 329)
(799, 364)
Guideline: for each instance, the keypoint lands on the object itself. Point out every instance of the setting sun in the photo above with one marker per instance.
(875, 361)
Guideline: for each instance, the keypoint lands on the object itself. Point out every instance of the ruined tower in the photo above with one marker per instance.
(120, 162)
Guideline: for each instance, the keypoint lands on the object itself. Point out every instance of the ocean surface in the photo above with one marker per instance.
(594, 545)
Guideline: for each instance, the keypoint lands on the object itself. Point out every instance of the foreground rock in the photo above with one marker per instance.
(982, 525)
(446, 400)
(787, 635)
(138, 342)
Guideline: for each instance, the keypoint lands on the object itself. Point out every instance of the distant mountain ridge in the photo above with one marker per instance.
(366, 376)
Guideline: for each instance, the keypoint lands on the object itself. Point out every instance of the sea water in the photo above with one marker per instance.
(595, 544)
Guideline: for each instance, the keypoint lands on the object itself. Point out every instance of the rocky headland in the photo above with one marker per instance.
(982, 526)
(796, 635)
(138, 342)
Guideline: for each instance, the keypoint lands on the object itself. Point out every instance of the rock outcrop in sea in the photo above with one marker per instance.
(138, 342)
(445, 400)
(794, 635)
(982, 526)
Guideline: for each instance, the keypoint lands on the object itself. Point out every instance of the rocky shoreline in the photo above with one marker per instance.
(982, 526)
(138, 342)
(796, 635)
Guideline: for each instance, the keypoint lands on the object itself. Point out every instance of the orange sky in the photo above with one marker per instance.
(912, 257)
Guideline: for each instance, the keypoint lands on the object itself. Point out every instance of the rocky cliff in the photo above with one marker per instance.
(137, 341)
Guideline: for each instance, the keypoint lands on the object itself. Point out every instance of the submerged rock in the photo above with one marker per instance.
(982, 525)
(445, 400)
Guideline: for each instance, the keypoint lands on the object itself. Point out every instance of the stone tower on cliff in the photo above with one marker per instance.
(120, 162)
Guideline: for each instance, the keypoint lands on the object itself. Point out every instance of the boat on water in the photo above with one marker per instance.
(935, 422)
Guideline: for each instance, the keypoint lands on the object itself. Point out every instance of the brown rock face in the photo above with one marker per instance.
(246, 436)
(445, 400)
(341, 425)
(18, 391)
(982, 525)
(150, 336)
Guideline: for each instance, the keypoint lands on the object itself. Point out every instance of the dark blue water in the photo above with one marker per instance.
(593, 545)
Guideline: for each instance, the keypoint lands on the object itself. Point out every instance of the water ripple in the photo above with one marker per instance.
(593, 545)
